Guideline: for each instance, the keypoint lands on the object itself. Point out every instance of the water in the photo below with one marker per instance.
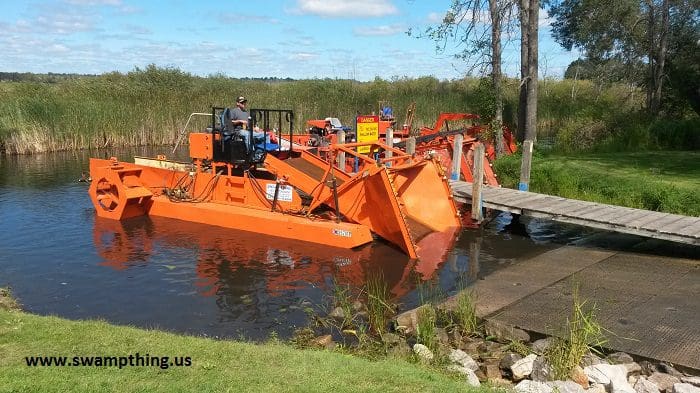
(60, 259)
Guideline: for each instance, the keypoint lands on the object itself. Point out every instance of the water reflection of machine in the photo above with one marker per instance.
(228, 258)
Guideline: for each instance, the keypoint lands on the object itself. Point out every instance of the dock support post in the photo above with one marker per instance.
(389, 139)
(411, 146)
(478, 174)
(524, 184)
(456, 156)
(341, 155)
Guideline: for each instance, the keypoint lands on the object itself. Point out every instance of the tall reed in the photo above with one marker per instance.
(150, 106)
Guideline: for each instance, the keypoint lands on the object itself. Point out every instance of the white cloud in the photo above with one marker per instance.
(129, 10)
(347, 8)
(57, 49)
(435, 17)
(121, 8)
(21, 26)
(544, 19)
(139, 30)
(481, 16)
(95, 2)
(63, 23)
(303, 56)
(233, 18)
(379, 30)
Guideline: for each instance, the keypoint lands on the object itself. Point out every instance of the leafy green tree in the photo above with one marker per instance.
(476, 27)
(636, 40)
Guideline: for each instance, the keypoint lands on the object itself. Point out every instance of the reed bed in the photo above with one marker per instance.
(150, 106)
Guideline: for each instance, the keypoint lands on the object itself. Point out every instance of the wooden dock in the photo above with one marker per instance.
(672, 227)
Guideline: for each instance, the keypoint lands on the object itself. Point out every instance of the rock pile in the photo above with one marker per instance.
(502, 355)
(480, 360)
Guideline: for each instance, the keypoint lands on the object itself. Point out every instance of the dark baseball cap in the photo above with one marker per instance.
(241, 99)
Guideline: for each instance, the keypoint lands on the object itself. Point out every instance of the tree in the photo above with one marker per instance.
(479, 40)
(629, 32)
(527, 110)
(496, 74)
(682, 92)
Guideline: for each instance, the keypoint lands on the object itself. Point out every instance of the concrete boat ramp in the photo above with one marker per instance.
(650, 304)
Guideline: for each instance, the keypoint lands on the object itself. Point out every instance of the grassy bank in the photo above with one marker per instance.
(149, 107)
(667, 181)
(216, 365)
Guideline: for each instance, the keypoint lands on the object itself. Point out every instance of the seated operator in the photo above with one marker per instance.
(239, 116)
(239, 119)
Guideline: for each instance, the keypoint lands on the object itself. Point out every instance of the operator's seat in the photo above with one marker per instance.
(225, 120)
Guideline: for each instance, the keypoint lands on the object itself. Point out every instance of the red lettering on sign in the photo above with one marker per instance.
(368, 119)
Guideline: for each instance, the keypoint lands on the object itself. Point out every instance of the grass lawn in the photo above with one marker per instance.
(667, 181)
(219, 366)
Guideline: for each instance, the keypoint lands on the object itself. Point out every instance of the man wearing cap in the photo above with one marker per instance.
(239, 119)
(239, 116)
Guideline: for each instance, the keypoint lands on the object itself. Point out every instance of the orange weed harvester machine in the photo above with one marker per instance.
(256, 179)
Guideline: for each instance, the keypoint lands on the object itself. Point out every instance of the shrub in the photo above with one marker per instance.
(580, 135)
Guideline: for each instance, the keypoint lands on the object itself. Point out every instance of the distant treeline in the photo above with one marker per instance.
(53, 77)
(150, 106)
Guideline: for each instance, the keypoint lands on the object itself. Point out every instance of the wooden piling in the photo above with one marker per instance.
(478, 174)
(525, 166)
(389, 142)
(411, 145)
(341, 155)
(456, 156)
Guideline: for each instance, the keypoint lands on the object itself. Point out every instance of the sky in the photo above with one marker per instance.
(299, 39)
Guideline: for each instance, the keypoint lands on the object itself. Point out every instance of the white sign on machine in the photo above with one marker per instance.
(285, 193)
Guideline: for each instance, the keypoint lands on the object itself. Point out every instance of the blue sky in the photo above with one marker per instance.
(277, 38)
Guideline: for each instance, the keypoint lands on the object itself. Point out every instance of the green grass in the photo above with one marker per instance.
(465, 311)
(426, 325)
(582, 334)
(216, 365)
(378, 304)
(667, 181)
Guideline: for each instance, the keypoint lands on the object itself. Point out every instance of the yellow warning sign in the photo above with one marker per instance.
(367, 131)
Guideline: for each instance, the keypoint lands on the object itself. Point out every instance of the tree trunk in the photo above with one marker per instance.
(651, 53)
(529, 29)
(524, 56)
(495, 11)
(573, 85)
(660, 59)
(532, 70)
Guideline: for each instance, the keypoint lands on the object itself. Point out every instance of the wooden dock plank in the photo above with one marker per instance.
(612, 215)
(503, 198)
(659, 225)
(651, 217)
(635, 215)
(542, 205)
(582, 208)
(617, 215)
(680, 226)
(597, 212)
(517, 200)
(574, 210)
